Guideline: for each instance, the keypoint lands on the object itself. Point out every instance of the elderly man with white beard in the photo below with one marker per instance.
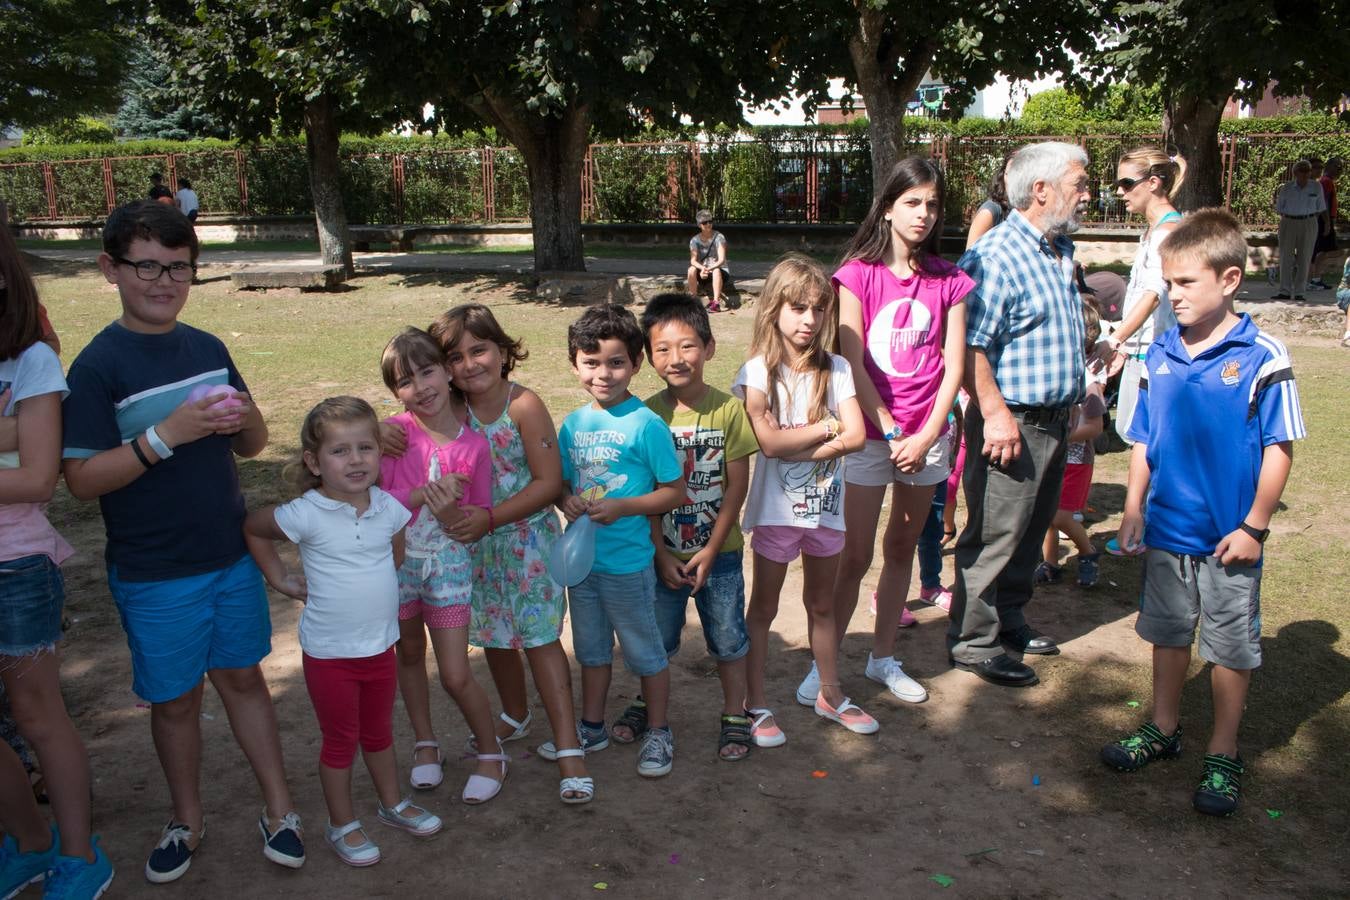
(1024, 371)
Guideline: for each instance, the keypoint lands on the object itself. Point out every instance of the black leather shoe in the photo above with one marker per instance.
(1028, 640)
(1001, 669)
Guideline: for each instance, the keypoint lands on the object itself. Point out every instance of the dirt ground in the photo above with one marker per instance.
(979, 792)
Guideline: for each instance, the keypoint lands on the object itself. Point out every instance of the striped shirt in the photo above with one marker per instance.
(1205, 423)
(1025, 314)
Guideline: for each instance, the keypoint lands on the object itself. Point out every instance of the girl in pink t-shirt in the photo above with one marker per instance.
(902, 327)
(445, 462)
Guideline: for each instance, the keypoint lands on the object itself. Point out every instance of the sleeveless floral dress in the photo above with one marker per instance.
(516, 603)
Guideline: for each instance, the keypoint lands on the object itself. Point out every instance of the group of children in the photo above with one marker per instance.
(441, 521)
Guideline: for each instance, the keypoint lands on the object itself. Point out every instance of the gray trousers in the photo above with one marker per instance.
(1007, 513)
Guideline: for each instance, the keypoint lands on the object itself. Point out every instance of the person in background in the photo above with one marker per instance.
(708, 259)
(186, 200)
(1301, 205)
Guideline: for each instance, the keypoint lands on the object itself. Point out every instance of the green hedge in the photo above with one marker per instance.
(760, 177)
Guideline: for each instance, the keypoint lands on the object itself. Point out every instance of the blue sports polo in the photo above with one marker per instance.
(185, 515)
(1205, 423)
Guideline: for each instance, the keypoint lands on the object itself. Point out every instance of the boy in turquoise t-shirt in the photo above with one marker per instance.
(619, 467)
(699, 544)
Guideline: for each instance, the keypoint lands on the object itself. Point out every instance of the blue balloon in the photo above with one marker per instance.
(574, 553)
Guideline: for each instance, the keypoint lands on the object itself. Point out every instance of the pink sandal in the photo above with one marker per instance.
(765, 735)
(848, 715)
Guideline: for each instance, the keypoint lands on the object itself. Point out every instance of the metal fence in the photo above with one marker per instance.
(790, 178)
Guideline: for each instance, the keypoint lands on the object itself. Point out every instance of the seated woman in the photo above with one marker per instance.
(708, 259)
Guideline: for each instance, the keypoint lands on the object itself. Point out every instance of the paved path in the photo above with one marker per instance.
(1254, 290)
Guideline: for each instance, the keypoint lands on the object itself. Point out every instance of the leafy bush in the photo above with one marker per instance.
(80, 130)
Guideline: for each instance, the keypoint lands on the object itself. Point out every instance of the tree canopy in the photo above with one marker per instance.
(1200, 53)
(58, 59)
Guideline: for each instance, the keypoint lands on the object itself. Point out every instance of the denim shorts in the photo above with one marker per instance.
(606, 605)
(180, 629)
(721, 610)
(31, 595)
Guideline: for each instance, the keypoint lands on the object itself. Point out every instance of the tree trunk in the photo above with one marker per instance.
(885, 86)
(330, 213)
(1191, 125)
(554, 148)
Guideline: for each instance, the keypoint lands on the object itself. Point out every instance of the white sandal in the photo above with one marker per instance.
(425, 776)
(582, 787)
(480, 788)
(522, 730)
(363, 854)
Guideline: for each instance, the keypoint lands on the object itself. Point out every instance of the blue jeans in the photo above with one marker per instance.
(930, 542)
(721, 610)
(31, 594)
(604, 605)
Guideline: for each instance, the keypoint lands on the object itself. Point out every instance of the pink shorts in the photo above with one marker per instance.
(1077, 482)
(782, 543)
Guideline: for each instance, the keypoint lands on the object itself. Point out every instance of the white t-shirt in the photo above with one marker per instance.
(34, 372)
(187, 200)
(1146, 275)
(352, 610)
(800, 494)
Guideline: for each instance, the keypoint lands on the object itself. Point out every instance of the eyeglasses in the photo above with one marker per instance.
(149, 270)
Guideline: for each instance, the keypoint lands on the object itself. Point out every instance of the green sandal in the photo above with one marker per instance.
(1133, 752)
(634, 718)
(1217, 794)
(735, 730)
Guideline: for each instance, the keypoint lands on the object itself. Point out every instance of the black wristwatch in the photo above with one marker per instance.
(1257, 534)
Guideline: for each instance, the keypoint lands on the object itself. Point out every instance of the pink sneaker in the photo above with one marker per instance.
(938, 596)
(907, 619)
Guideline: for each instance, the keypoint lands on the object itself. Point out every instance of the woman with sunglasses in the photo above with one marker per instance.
(1146, 179)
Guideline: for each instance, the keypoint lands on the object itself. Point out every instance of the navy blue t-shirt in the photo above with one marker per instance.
(185, 515)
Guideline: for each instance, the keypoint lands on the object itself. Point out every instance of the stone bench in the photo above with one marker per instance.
(306, 278)
(400, 238)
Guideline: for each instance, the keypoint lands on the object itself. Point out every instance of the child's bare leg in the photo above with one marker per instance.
(766, 585)
(732, 675)
(452, 658)
(656, 692)
(553, 680)
(176, 727)
(594, 691)
(33, 686)
(1230, 696)
(910, 507)
(411, 650)
(1050, 546)
(383, 769)
(860, 525)
(253, 719)
(19, 814)
(1065, 522)
(508, 674)
(1169, 675)
(337, 796)
(818, 576)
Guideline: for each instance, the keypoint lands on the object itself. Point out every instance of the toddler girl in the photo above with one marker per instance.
(351, 539)
(800, 400)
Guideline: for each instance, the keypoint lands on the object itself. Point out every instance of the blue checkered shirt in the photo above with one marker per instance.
(1026, 315)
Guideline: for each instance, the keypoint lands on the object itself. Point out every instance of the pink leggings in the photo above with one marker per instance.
(958, 464)
(353, 701)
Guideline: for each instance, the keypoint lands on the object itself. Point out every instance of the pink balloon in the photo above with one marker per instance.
(202, 391)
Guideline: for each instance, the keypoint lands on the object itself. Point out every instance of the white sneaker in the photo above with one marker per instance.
(888, 672)
(808, 690)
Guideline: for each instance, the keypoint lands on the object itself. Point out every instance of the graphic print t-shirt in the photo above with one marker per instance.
(707, 437)
(623, 451)
(904, 327)
(784, 492)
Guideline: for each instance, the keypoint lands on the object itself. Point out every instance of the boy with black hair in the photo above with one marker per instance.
(1218, 412)
(191, 600)
(699, 543)
(619, 467)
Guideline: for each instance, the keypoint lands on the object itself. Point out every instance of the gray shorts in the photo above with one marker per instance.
(1181, 591)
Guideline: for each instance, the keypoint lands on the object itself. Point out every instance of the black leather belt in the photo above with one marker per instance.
(1041, 415)
(1308, 216)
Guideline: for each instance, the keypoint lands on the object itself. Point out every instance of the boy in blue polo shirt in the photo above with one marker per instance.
(1218, 412)
(619, 467)
(162, 466)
